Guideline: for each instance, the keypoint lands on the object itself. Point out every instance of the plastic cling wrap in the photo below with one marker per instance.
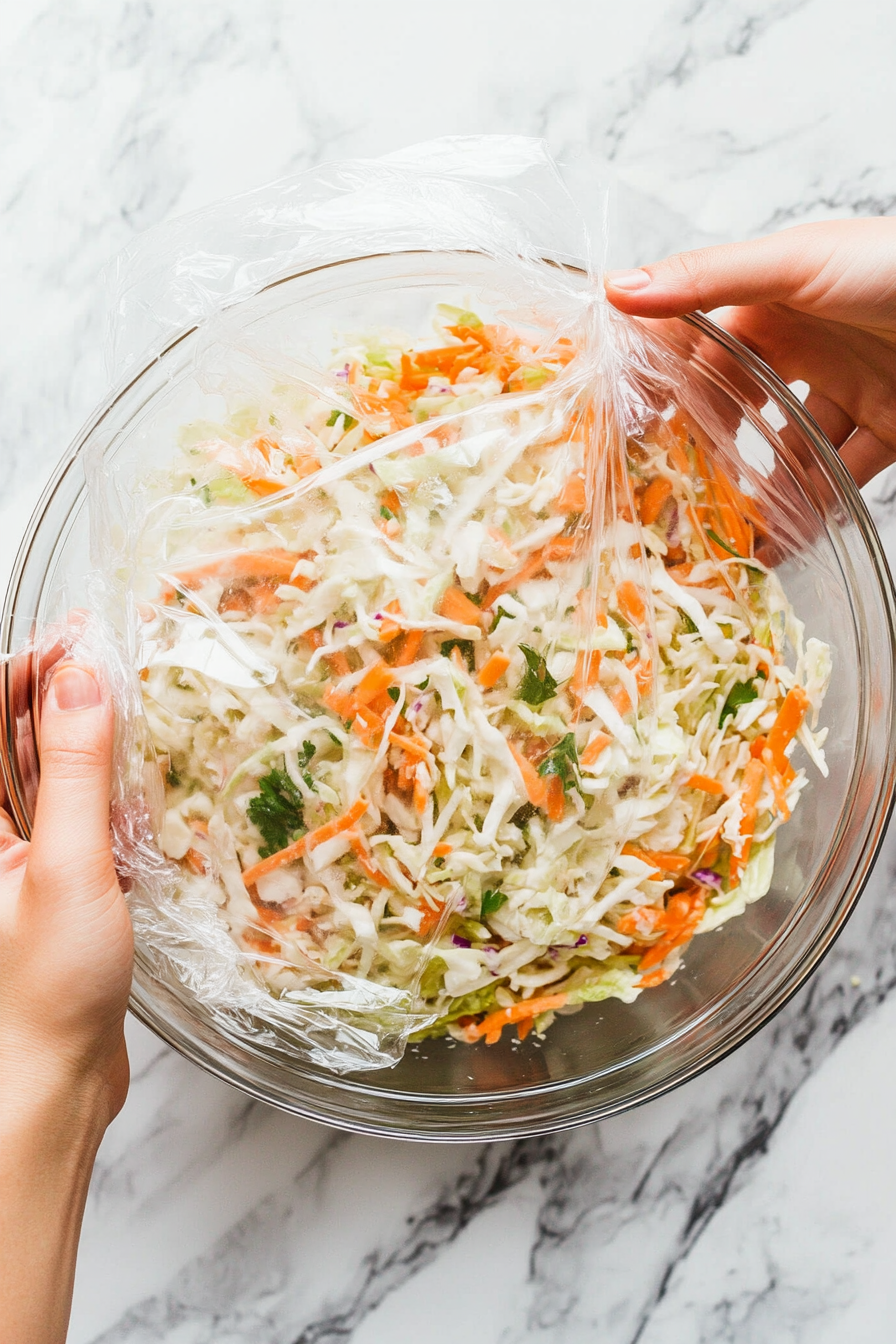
(456, 688)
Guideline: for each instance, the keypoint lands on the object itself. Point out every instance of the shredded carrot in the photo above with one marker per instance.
(411, 380)
(571, 498)
(653, 499)
(273, 564)
(340, 702)
(196, 862)
(493, 670)
(494, 1023)
(561, 548)
(652, 978)
(421, 791)
(643, 921)
(631, 602)
(368, 725)
(429, 917)
(374, 681)
(680, 459)
(260, 942)
(683, 913)
(779, 788)
(366, 864)
(421, 749)
(441, 849)
(586, 673)
(409, 648)
(595, 748)
(328, 831)
(658, 859)
(786, 725)
(388, 630)
(643, 671)
(621, 701)
(534, 784)
(705, 784)
(391, 501)
(338, 664)
(751, 786)
(456, 606)
(555, 798)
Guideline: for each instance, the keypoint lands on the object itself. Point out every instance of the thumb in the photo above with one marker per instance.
(70, 844)
(774, 269)
(841, 269)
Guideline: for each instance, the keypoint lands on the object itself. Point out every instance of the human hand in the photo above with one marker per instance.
(66, 951)
(817, 303)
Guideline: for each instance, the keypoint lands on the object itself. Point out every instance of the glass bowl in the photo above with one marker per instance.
(609, 1056)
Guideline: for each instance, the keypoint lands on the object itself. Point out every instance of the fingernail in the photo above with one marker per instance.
(627, 279)
(75, 688)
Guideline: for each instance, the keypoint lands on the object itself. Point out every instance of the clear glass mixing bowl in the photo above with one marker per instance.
(610, 1055)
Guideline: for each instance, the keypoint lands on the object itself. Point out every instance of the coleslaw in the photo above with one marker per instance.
(439, 707)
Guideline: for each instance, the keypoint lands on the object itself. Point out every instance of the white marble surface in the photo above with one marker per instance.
(754, 1206)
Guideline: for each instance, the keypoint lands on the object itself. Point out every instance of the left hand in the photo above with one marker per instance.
(66, 951)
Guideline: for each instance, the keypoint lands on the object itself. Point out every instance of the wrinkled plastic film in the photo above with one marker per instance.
(184, 578)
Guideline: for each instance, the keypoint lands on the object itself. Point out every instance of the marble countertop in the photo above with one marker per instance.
(752, 1206)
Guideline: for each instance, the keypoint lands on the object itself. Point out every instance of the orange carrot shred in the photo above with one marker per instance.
(705, 784)
(534, 784)
(493, 670)
(595, 748)
(456, 606)
(653, 499)
(494, 1023)
(328, 831)
(409, 648)
(631, 602)
(786, 725)
(374, 681)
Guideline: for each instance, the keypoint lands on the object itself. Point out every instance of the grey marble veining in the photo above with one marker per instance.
(754, 1204)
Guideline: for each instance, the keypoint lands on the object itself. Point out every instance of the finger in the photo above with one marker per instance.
(7, 826)
(761, 270)
(833, 422)
(851, 373)
(13, 852)
(841, 269)
(864, 456)
(71, 827)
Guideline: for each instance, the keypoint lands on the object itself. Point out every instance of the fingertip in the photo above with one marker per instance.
(74, 687)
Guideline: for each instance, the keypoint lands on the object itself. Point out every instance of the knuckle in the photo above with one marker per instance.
(76, 761)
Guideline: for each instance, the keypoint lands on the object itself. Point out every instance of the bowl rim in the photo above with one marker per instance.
(810, 957)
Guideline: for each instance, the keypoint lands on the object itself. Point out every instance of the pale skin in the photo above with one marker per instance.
(65, 972)
(818, 303)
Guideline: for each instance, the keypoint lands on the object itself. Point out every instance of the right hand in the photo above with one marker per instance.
(817, 303)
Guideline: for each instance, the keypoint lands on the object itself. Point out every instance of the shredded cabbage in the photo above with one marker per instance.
(404, 741)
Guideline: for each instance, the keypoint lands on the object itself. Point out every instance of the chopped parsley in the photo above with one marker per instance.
(277, 810)
(562, 760)
(741, 693)
(537, 684)
(466, 649)
(491, 902)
